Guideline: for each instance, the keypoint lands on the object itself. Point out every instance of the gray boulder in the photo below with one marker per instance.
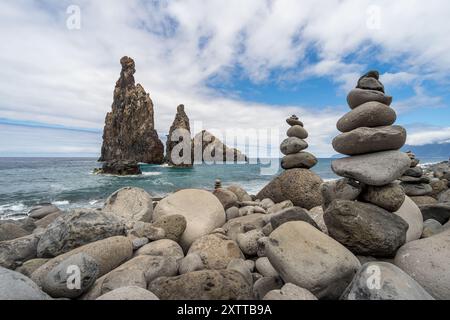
(365, 229)
(384, 281)
(15, 286)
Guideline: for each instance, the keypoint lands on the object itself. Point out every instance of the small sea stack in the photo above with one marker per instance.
(293, 147)
(179, 141)
(414, 181)
(367, 210)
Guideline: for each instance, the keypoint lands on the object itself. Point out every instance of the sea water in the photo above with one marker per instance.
(70, 183)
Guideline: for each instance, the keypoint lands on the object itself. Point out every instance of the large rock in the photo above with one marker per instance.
(427, 261)
(389, 197)
(15, 286)
(293, 145)
(164, 247)
(301, 159)
(301, 186)
(43, 210)
(410, 212)
(202, 210)
(132, 293)
(108, 253)
(130, 204)
(217, 250)
(375, 169)
(129, 132)
(11, 231)
(179, 140)
(439, 212)
(340, 189)
(370, 114)
(310, 259)
(203, 285)
(367, 140)
(358, 97)
(391, 284)
(15, 252)
(75, 229)
(57, 281)
(290, 292)
(291, 214)
(364, 228)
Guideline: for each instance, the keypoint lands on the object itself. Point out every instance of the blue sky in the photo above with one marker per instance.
(234, 64)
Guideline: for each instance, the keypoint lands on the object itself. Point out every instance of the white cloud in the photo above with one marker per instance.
(57, 76)
(426, 135)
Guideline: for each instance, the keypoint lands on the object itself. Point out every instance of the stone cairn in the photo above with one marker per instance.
(372, 142)
(414, 181)
(293, 147)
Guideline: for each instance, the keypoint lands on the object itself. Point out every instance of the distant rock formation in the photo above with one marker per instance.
(129, 132)
(206, 144)
(179, 140)
(120, 167)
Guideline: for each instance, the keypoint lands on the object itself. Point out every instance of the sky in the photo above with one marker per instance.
(234, 64)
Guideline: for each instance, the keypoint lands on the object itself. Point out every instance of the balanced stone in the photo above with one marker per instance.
(416, 180)
(367, 140)
(416, 172)
(299, 160)
(343, 189)
(389, 197)
(417, 189)
(293, 145)
(370, 114)
(357, 97)
(370, 81)
(298, 132)
(293, 121)
(376, 169)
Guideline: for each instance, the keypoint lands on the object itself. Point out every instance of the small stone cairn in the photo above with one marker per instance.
(293, 147)
(414, 181)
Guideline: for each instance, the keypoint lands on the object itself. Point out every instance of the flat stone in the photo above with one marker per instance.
(310, 259)
(370, 114)
(368, 83)
(368, 140)
(357, 97)
(293, 145)
(389, 197)
(301, 159)
(427, 261)
(417, 189)
(293, 121)
(392, 284)
(416, 172)
(414, 180)
(298, 132)
(365, 229)
(376, 169)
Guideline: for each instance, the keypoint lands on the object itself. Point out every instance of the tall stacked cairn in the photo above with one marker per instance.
(297, 183)
(293, 147)
(365, 210)
(414, 181)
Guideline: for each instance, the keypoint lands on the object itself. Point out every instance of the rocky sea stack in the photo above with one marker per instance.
(129, 133)
(178, 140)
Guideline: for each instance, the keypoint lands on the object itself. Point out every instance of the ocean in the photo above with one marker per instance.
(69, 182)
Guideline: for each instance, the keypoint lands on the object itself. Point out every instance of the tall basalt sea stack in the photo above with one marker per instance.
(129, 133)
(373, 224)
(179, 140)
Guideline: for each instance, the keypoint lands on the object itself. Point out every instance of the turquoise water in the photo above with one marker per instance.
(69, 182)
